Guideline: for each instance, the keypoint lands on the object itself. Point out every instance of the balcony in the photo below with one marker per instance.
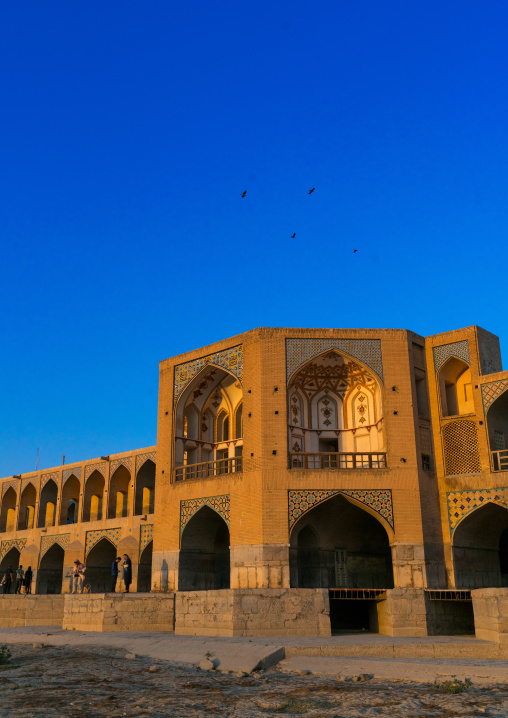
(209, 468)
(499, 460)
(337, 460)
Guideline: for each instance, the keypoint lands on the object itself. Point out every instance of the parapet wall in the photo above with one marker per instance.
(119, 612)
(253, 612)
(30, 610)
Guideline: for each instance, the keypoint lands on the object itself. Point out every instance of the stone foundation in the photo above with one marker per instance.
(253, 612)
(31, 610)
(401, 612)
(119, 612)
(490, 607)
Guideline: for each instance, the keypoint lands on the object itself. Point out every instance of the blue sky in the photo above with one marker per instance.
(129, 131)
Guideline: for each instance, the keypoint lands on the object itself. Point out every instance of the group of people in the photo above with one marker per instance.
(23, 578)
(79, 570)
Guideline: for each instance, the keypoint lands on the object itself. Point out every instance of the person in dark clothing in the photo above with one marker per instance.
(8, 579)
(28, 579)
(127, 572)
(114, 573)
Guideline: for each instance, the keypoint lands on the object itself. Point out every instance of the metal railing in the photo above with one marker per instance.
(447, 594)
(500, 460)
(337, 460)
(209, 468)
(356, 594)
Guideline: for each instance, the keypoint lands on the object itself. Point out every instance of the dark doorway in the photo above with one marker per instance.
(480, 548)
(339, 545)
(98, 566)
(204, 553)
(50, 573)
(11, 558)
(145, 569)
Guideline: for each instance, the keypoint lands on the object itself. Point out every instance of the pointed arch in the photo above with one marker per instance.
(27, 501)
(47, 504)
(145, 489)
(94, 497)
(497, 426)
(98, 565)
(120, 493)
(455, 387)
(204, 562)
(8, 511)
(69, 503)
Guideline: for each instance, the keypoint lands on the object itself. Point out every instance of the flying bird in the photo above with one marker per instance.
(355, 250)
(293, 235)
(244, 193)
(312, 190)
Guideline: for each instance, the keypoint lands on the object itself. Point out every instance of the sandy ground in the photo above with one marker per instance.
(69, 681)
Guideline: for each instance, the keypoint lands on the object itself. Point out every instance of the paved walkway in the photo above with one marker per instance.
(415, 659)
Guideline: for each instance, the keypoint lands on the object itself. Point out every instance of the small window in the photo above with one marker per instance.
(421, 396)
(426, 466)
(498, 441)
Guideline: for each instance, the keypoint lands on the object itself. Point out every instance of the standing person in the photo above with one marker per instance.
(8, 579)
(127, 572)
(28, 579)
(78, 576)
(20, 575)
(114, 573)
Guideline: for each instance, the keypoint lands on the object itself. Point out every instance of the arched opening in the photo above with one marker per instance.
(98, 566)
(27, 508)
(204, 553)
(145, 569)
(497, 424)
(50, 573)
(455, 388)
(480, 548)
(208, 421)
(339, 545)
(47, 506)
(145, 489)
(94, 495)
(119, 493)
(8, 512)
(10, 560)
(69, 510)
(335, 415)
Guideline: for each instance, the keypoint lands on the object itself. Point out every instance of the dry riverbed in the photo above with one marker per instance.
(59, 681)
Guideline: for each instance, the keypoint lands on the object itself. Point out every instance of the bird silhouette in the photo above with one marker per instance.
(293, 235)
(355, 250)
(312, 190)
(244, 193)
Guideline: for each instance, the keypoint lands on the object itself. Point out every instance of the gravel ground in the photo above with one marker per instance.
(49, 681)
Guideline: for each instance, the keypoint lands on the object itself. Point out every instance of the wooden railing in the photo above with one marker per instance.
(209, 468)
(500, 460)
(337, 460)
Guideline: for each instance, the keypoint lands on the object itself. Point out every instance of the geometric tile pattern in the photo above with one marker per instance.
(34, 480)
(230, 359)
(456, 349)
(47, 542)
(102, 468)
(145, 536)
(368, 351)
(461, 503)
(142, 458)
(8, 485)
(69, 472)
(54, 476)
(113, 466)
(93, 537)
(301, 501)
(6, 546)
(490, 392)
(188, 508)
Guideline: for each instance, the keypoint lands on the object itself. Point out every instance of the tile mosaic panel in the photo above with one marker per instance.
(456, 349)
(47, 542)
(301, 501)
(230, 359)
(68, 472)
(189, 507)
(8, 485)
(102, 467)
(127, 462)
(367, 351)
(145, 536)
(490, 392)
(93, 537)
(54, 476)
(6, 546)
(461, 503)
(34, 480)
(143, 458)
